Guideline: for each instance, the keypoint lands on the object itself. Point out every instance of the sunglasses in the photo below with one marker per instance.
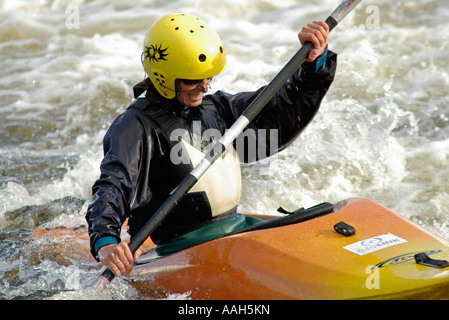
(194, 82)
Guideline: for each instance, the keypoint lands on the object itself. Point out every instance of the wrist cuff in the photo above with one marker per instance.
(321, 60)
(104, 242)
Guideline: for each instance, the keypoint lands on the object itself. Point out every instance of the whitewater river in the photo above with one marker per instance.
(68, 67)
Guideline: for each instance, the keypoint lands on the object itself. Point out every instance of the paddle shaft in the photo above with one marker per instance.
(247, 116)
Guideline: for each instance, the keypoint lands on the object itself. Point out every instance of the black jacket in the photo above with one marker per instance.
(136, 162)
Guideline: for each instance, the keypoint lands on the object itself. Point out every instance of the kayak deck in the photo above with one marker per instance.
(302, 260)
(309, 260)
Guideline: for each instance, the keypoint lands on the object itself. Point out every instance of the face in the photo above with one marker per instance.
(192, 91)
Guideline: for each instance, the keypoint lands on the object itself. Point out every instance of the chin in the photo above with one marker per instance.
(195, 104)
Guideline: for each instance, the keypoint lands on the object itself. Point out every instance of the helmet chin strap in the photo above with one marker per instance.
(177, 87)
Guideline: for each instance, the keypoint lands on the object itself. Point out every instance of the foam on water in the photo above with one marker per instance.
(382, 131)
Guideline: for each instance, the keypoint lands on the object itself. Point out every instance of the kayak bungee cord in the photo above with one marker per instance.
(227, 139)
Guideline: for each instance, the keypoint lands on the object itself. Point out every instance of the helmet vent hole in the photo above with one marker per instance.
(202, 58)
(191, 31)
(221, 50)
(177, 28)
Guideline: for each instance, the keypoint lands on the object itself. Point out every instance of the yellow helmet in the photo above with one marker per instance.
(180, 46)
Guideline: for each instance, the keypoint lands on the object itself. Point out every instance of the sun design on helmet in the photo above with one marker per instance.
(155, 53)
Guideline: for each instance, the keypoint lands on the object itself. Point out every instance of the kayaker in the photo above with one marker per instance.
(143, 163)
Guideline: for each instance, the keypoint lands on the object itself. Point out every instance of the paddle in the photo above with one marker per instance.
(248, 115)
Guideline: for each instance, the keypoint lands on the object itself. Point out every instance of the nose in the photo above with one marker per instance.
(203, 86)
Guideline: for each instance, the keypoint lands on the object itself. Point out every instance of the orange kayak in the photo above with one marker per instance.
(360, 250)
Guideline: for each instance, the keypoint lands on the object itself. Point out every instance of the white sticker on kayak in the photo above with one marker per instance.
(375, 243)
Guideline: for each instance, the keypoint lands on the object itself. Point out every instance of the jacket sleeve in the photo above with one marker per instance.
(288, 112)
(125, 149)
